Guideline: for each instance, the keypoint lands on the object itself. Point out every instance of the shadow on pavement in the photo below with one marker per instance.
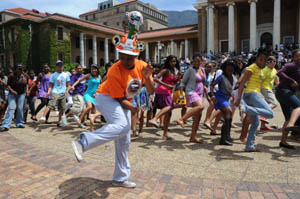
(84, 187)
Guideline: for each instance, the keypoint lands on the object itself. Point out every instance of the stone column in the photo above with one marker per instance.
(158, 52)
(180, 49)
(147, 52)
(252, 24)
(211, 31)
(81, 44)
(172, 48)
(94, 49)
(106, 58)
(116, 54)
(186, 48)
(231, 27)
(276, 25)
(204, 31)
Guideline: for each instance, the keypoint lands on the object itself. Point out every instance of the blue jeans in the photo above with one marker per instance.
(14, 102)
(255, 106)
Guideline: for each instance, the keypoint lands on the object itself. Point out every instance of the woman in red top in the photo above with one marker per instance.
(31, 97)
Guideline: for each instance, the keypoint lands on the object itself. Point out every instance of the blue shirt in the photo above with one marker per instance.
(59, 81)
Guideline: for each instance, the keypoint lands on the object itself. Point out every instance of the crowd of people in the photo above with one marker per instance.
(254, 85)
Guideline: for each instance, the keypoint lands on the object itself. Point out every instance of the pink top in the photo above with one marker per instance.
(171, 80)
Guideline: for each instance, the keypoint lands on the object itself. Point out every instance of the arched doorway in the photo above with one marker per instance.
(266, 40)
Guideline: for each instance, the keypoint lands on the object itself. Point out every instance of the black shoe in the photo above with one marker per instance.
(2, 129)
(225, 142)
(292, 128)
(21, 127)
(287, 146)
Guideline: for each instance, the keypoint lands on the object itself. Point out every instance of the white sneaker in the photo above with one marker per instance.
(125, 184)
(42, 120)
(75, 118)
(81, 126)
(61, 124)
(77, 149)
(64, 119)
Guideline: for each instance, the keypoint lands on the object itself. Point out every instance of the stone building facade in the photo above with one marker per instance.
(111, 13)
(34, 38)
(245, 25)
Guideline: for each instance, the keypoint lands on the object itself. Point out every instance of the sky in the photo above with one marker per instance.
(76, 7)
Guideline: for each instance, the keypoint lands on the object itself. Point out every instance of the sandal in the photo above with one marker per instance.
(167, 138)
(180, 122)
(243, 140)
(208, 126)
(154, 124)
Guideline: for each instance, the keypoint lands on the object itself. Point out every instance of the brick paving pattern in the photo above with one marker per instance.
(37, 162)
(29, 172)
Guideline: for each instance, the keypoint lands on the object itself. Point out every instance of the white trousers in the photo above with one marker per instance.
(117, 128)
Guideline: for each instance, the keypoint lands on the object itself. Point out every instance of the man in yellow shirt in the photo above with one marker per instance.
(270, 74)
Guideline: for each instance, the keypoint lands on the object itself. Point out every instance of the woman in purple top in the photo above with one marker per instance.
(193, 82)
(286, 93)
(43, 81)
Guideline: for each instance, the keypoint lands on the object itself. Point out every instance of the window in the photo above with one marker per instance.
(118, 10)
(101, 62)
(0, 17)
(90, 44)
(14, 60)
(118, 23)
(60, 34)
(77, 42)
(108, 5)
(86, 17)
(1, 38)
(90, 61)
(12, 33)
(101, 7)
(101, 45)
(94, 16)
(77, 60)
(151, 28)
(288, 39)
(126, 8)
(245, 45)
(104, 7)
(112, 48)
(2, 61)
(105, 23)
(60, 56)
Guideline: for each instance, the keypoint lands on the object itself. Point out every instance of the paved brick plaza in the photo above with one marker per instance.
(37, 162)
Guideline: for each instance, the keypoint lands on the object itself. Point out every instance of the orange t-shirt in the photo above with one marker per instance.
(122, 82)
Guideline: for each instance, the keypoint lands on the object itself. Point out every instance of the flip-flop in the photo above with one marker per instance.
(213, 133)
(154, 124)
